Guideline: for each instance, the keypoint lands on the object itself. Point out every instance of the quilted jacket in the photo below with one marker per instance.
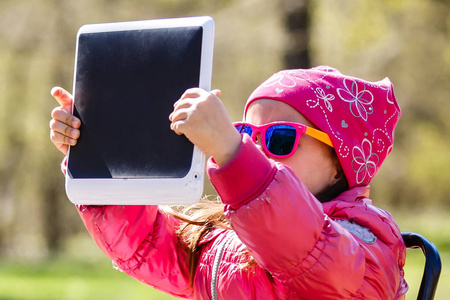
(303, 249)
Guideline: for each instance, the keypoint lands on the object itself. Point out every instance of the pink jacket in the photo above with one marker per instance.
(304, 245)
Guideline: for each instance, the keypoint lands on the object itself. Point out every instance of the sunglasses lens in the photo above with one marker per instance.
(280, 139)
(244, 129)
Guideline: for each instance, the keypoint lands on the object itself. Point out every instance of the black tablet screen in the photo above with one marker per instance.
(125, 86)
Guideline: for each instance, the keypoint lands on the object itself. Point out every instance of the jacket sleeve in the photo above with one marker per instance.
(287, 232)
(143, 243)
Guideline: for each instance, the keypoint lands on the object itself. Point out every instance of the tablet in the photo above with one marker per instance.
(127, 77)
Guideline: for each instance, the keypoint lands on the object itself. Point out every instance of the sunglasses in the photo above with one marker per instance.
(280, 139)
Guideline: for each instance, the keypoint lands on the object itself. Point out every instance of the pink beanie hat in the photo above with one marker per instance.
(358, 115)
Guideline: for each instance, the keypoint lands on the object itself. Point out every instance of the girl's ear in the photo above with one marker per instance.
(337, 165)
(339, 182)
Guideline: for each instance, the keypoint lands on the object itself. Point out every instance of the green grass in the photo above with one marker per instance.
(84, 273)
(71, 279)
(414, 270)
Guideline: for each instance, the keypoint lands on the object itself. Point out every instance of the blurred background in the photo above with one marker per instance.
(45, 252)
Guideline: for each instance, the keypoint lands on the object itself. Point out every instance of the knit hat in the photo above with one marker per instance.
(358, 115)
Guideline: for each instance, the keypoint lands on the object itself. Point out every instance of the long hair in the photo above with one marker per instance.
(197, 220)
(200, 218)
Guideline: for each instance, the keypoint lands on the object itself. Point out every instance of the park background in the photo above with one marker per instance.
(45, 252)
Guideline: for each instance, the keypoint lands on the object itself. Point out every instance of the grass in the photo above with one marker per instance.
(71, 279)
(85, 274)
(414, 270)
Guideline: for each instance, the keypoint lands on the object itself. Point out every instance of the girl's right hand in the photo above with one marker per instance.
(64, 126)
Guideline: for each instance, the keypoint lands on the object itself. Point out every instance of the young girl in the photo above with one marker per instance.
(296, 221)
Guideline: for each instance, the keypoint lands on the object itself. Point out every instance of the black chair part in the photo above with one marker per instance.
(432, 269)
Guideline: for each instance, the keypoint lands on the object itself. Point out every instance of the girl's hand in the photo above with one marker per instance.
(64, 126)
(203, 119)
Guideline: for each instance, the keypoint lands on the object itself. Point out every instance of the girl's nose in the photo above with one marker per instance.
(258, 143)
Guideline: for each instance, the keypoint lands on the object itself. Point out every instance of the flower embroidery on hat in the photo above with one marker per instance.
(325, 97)
(286, 79)
(321, 95)
(358, 96)
(386, 85)
(364, 162)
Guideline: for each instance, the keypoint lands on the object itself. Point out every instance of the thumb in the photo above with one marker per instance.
(63, 97)
(216, 93)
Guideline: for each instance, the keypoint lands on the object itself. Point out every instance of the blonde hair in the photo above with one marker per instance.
(198, 219)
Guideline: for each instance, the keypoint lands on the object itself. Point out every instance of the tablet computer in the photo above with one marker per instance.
(127, 77)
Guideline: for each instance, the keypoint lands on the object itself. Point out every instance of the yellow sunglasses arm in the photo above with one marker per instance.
(319, 135)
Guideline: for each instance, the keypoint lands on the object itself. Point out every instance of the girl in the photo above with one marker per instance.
(296, 221)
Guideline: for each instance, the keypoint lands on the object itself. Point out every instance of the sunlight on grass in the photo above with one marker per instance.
(414, 270)
(84, 281)
(71, 280)
(433, 224)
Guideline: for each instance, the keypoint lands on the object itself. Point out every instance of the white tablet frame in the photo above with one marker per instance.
(148, 191)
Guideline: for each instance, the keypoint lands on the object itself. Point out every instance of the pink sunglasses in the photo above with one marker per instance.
(280, 139)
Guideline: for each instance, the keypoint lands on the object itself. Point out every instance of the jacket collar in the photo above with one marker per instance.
(354, 194)
(354, 205)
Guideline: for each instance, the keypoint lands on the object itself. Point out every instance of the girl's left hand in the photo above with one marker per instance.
(64, 126)
(201, 116)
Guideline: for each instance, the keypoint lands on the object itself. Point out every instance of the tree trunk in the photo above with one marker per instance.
(297, 25)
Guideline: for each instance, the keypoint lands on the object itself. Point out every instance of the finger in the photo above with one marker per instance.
(192, 93)
(61, 115)
(216, 93)
(179, 119)
(179, 115)
(63, 97)
(59, 139)
(182, 104)
(64, 129)
(180, 112)
(177, 127)
(63, 148)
